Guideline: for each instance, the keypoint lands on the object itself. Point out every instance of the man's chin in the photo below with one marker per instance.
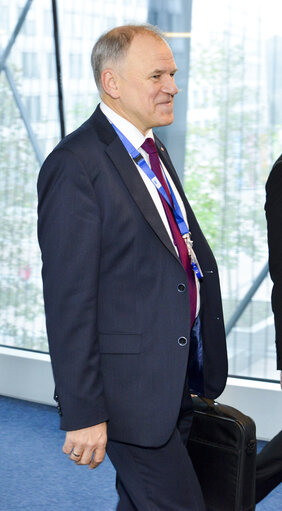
(166, 120)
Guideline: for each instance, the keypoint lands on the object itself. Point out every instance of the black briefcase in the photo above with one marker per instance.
(222, 446)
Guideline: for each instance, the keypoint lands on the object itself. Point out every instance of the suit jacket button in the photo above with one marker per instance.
(182, 341)
(181, 287)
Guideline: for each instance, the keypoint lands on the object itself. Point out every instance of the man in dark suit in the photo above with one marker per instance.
(269, 460)
(134, 320)
(273, 210)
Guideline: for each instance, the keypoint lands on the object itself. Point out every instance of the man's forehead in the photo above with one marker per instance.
(155, 43)
(151, 51)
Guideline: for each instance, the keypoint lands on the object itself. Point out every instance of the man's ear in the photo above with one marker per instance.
(110, 83)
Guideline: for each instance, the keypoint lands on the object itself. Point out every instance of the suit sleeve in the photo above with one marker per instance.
(69, 233)
(273, 209)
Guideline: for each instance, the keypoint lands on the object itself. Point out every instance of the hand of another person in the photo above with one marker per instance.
(87, 446)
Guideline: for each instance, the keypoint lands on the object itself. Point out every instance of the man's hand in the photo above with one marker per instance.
(87, 446)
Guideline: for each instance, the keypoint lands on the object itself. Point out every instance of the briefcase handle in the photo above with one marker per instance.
(203, 404)
(209, 402)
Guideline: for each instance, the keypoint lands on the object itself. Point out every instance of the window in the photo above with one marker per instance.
(233, 138)
(226, 135)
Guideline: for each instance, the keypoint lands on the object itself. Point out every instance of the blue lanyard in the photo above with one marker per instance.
(182, 225)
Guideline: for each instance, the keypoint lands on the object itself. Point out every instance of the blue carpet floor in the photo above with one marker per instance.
(36, 476)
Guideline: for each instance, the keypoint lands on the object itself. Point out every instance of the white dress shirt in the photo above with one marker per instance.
(136, 138)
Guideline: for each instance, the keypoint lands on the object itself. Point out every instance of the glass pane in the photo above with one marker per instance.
(251, 346)
(226, 135)
(28, 118)
(234, 136)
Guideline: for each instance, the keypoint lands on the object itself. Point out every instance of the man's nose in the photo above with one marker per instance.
(169, 86)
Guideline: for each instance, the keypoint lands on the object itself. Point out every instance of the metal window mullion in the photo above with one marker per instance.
(14, 35)
(58, 68)
(20, 105)
(246, 300)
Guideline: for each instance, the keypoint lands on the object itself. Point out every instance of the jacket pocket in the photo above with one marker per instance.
(120, 343)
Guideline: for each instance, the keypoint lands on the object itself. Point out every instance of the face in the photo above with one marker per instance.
(145, 85)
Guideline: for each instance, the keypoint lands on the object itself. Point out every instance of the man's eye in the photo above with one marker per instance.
(155, 77)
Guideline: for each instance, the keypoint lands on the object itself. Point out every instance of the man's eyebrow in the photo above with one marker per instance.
(162, 71)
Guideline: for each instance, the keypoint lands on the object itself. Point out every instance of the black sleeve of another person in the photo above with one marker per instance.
(273, 210)
(269, 460)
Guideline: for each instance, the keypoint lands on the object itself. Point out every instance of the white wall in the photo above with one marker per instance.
(28, 375)
(260, 400)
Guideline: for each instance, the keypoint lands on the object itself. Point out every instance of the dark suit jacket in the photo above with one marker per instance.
(273, 209)
(114, 307)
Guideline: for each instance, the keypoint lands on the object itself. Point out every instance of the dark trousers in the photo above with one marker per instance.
(269, 467)
(158, 479)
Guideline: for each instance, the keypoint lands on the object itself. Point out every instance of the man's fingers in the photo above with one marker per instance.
(68, 447)
(98, 457)
(81, 444)
(86, 457)
(73, 452)
(75, 455)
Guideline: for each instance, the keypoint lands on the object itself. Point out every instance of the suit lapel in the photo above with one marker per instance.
(164, 156)
(138, 191)
(130, 175)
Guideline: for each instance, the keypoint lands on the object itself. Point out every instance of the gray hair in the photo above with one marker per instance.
(113, 45)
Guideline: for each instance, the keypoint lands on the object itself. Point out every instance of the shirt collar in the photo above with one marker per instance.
(135, 137)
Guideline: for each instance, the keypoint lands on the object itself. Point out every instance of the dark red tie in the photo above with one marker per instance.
(150, 148)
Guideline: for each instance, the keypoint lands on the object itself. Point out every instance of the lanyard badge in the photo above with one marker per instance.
(194, 261)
